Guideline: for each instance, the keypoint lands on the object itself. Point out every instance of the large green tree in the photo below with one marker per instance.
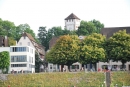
(4, 61)
(65, 51)
(89, 27)
(118, 47)
(42, 36)
(98, 25)
(7, 28)
(92, 49)
(23, 28)
(45, 35)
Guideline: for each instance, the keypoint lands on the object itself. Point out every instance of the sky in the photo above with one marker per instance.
(50, 13)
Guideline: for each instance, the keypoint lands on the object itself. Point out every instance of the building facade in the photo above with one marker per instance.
(72, 22)
(22, 59)
(28, 40)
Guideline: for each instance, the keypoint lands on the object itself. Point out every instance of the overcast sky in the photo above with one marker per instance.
(49, 13)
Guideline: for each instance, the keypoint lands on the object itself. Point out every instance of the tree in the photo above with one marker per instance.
(65, 51)
(11, 41)
(45, 36)
(42, 36)
(4, 61)
(23, 28)
(7, 28)
(98, 25)
(118, 47)
(92, 49)
(87, 28)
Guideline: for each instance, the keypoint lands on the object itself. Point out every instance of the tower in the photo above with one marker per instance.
(72, 22)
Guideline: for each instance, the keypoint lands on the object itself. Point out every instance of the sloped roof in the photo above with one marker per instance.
(52, 42)
(72, 16)
(29, 36)
(33, 40)
(108, 32)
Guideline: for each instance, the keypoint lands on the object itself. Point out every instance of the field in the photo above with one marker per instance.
(60, 79)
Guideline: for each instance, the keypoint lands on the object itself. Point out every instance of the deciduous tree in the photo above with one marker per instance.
(89, 27)
(92, 49)
(4, 61)
(65, 51)
(118, 47)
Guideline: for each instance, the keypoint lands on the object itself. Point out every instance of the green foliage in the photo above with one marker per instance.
(87, 28)
(92, 49)
(45, 36)
(12, 42)
(39, 62)
(6, 28)
(23, 28)
(98, 25)
(118, 47)
(4, 60)
(65, 51)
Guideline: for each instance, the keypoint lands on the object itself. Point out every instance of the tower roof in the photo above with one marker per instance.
(72, 16)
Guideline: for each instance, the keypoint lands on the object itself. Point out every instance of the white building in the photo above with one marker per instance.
(72, 22)
(22, 59)
(28, 40)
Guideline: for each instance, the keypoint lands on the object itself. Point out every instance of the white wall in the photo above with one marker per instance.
(72, 25)
(4, 49)
(29, 55)
(25, 42)
(99, 65)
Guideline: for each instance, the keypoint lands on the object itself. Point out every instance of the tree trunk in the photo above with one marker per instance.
(69, 68)
(95, 66)
(123, 63)
(62, 66)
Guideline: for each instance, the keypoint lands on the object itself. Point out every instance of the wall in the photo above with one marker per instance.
(25, 42)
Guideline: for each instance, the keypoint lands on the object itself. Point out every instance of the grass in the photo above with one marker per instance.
(60, 79)
(120, 78)
(54, 80)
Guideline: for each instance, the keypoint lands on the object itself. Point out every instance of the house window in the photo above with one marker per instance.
(28, 43)
(32, 59)
(20, 43)
(18, 65)
(21, 58)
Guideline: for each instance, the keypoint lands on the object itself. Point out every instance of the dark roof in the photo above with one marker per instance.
(108, 32)
(72, 16)
(52, 42)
